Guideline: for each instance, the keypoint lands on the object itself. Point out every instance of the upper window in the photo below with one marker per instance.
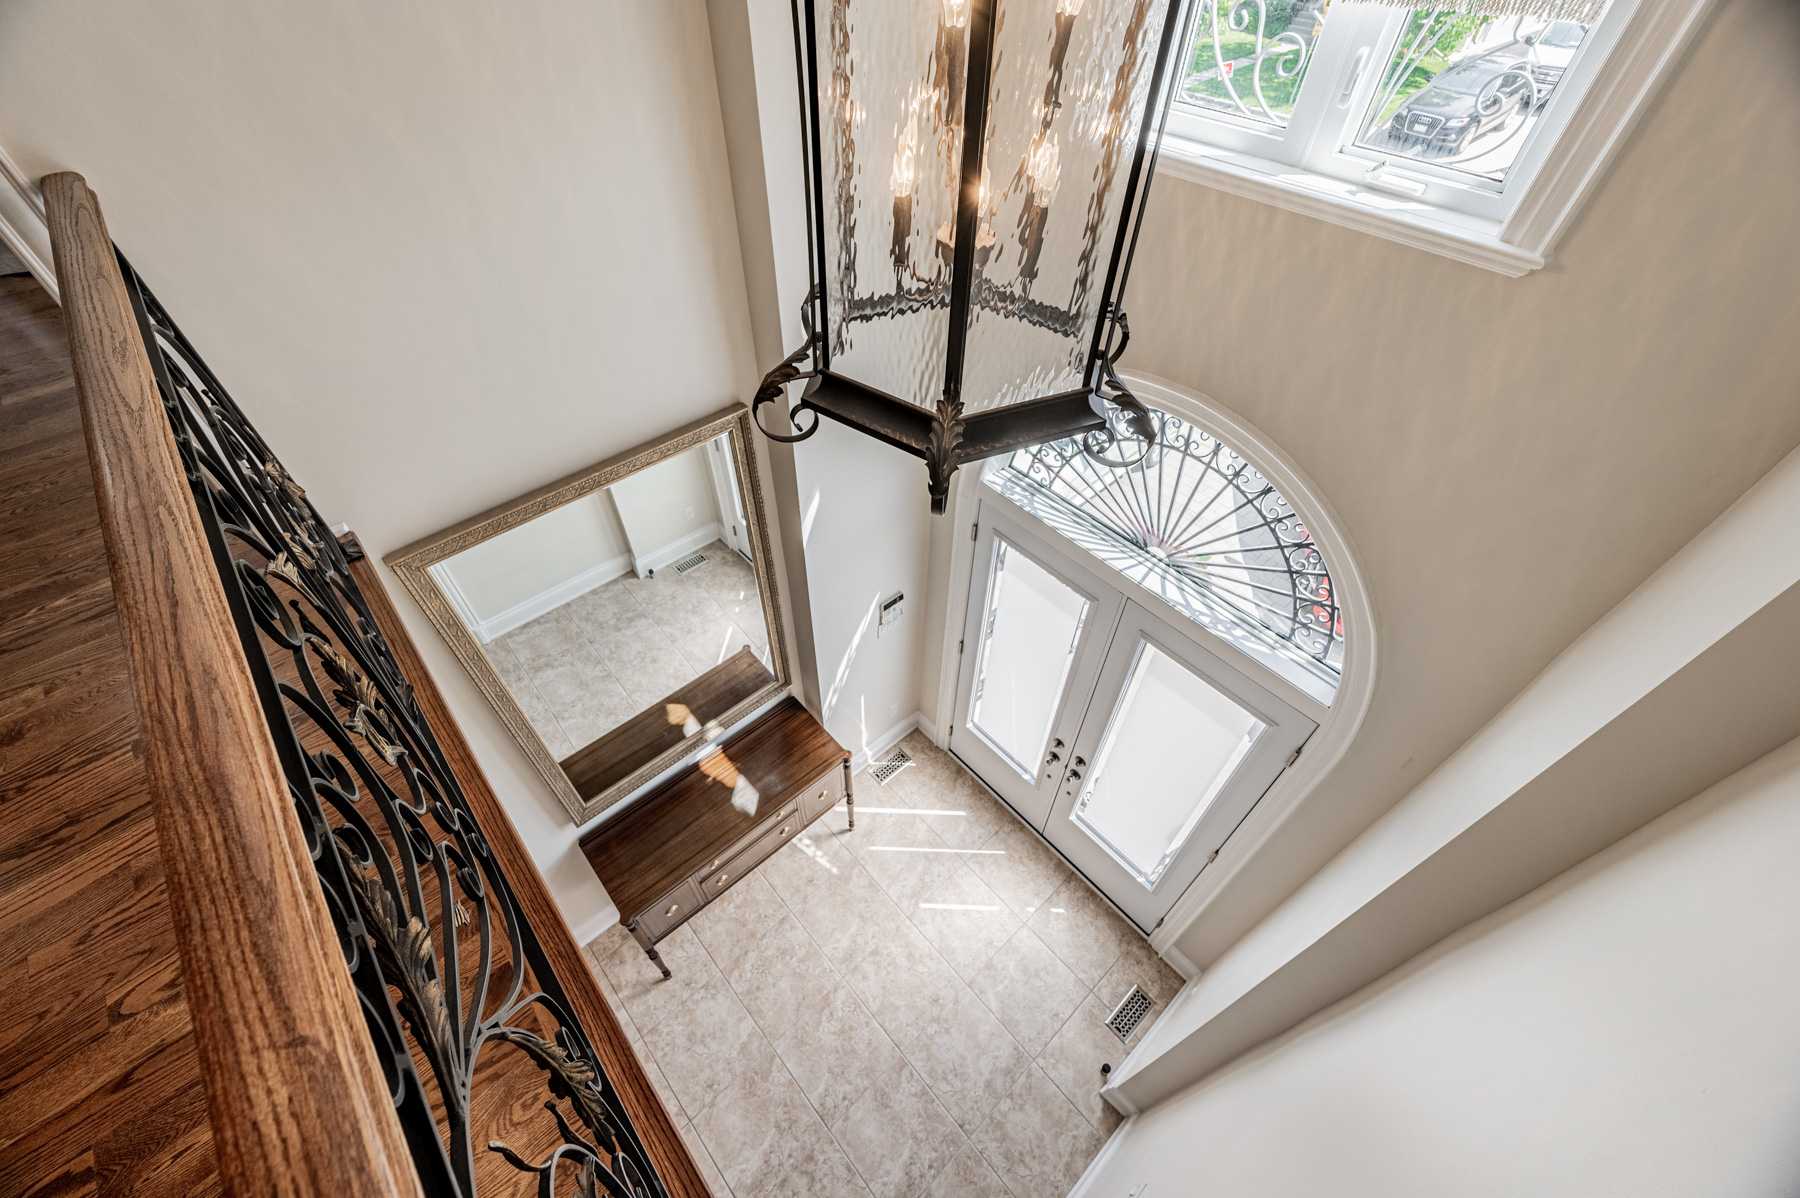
(1418, 114)
(1204, 531)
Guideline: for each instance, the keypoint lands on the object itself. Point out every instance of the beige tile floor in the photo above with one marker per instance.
(912, 1009)
(599, 659)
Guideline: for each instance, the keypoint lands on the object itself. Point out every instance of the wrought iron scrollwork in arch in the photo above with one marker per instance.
(1207, 518)
(448, 970)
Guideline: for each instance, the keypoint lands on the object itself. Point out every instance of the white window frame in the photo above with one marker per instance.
(1310, 167)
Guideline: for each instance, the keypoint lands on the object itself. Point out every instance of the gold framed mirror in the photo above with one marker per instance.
(618, 619)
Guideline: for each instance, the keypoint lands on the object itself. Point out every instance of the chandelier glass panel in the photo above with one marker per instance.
(965, 290)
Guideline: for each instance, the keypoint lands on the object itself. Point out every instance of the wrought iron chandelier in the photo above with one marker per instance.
(965, 290)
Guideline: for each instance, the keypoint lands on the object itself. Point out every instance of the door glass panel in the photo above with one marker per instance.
(1028, 640)
(1171, 745)
(1464, 90)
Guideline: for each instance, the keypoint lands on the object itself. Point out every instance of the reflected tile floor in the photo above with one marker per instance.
(586, 667)
(911, 1010)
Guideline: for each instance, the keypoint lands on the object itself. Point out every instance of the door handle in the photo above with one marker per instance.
(1053, 759)
(1079, 761)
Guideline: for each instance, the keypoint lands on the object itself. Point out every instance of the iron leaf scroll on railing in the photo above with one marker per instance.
(450, 975)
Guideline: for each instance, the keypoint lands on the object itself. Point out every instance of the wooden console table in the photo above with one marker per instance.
(685, 843)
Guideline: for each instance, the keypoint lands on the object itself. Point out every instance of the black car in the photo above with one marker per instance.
(1459, 105)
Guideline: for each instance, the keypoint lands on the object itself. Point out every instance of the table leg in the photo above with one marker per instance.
(649, 948)
(850, 795)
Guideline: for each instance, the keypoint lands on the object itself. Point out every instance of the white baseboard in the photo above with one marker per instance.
(859, 761)
(459, 603)
(930, 731)
(595, 926)
(1179, 962)
(555, 597)
(22, 224)
(674, 551)
(1090, 1177)
(488, 630)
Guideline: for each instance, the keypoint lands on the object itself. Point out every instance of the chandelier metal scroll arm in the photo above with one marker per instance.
(1125, 409)
(774, 383)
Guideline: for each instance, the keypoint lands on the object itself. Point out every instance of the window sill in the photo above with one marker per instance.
(1647, 46)
(1391, 215)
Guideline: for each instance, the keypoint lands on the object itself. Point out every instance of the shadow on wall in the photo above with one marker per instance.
(849, 659)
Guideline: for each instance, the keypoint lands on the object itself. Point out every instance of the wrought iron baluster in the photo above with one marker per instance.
(400, 857)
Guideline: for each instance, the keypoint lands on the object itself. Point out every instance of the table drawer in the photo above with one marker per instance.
(754, 854)
(669, 911)
(822, 795)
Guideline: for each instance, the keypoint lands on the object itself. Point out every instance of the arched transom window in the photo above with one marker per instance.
(1202, 529)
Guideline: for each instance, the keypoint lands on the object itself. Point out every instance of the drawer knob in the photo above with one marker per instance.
(784, 829)
(673, 907)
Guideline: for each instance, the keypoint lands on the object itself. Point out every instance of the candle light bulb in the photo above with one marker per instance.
(1044, 169)
(956, 13)
(906, 161)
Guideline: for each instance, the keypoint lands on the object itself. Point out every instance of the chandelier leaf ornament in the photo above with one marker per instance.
(976, 172)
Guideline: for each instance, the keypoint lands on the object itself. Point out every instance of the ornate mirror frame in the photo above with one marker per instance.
(413, 565)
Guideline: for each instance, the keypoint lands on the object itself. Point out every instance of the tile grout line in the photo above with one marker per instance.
(1031, 1061)
(776, 1052)
(845, 982)
(623, 1015)
(840, 978)
(605, 661)
(531, 681)
(1024, 925)
(879, 1026)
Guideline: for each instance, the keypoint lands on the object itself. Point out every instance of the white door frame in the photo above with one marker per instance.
(1339, 725)
(1285, 731)
(1033, 800)
(729, 495)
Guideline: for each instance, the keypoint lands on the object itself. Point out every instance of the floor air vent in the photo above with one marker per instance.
(896, 761)
(1129, 1013)
(688, 563)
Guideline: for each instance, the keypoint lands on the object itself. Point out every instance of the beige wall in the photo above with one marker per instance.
(865, 518)
(1510, 456)
(539, 555)
(662, 504)
(1625, 1031)
(442, 253)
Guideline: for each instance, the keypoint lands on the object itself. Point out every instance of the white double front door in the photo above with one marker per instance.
(1132, 747)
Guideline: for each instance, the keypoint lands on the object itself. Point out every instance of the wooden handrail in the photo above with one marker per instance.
(293, 1086)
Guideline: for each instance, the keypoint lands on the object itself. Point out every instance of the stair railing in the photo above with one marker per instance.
(358, 922)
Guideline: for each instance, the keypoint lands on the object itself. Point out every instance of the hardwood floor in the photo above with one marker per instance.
(99, 1086)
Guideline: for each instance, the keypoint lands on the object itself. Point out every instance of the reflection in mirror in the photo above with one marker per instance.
(625, 622)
